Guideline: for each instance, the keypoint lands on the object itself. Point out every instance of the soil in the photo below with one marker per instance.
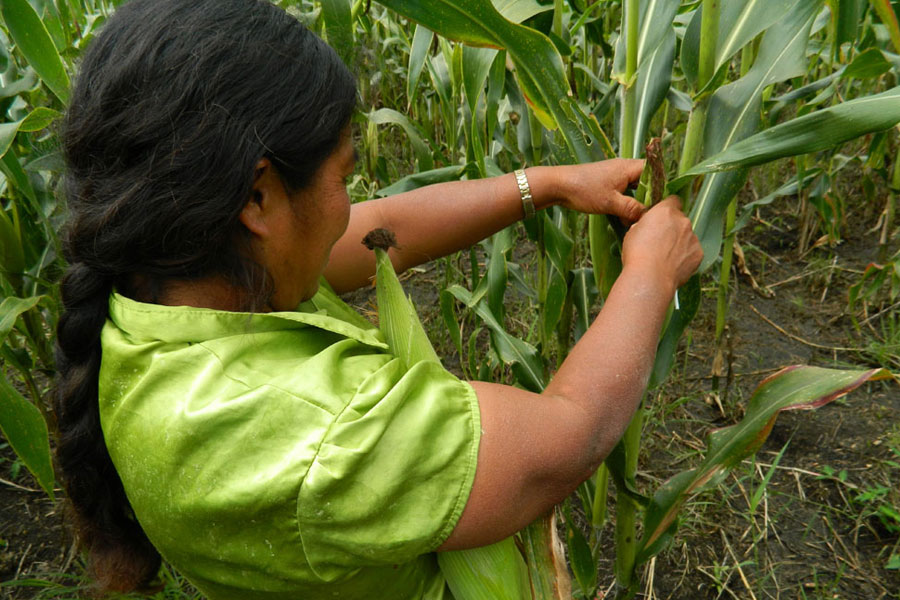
(810, 536)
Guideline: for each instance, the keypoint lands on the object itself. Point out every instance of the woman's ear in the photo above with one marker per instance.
(258, 212)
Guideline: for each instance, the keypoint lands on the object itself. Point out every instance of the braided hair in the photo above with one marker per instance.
(175, 103)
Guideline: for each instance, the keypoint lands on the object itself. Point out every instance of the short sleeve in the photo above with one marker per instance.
(393, 473)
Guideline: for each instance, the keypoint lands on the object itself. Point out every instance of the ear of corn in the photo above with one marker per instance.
(497, 571)
(397, 316)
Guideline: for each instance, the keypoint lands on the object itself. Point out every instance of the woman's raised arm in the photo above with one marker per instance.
(536, 448)
(434, 221)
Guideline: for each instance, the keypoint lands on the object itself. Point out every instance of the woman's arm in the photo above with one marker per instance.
(434, 221)
(536, 448)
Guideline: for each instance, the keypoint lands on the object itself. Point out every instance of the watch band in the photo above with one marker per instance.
(525, 192)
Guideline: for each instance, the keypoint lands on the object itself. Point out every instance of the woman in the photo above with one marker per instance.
(271, 451)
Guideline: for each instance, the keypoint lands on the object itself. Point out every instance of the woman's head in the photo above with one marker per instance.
(176, 104)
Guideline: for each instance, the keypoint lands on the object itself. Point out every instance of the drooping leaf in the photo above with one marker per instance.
(793, 388)
(810, 133)
(34, 42)
(24, 427)
(522, 357)
(389, 116)
(417, 180)
(11, 309)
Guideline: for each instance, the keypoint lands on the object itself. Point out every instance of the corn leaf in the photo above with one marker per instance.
(338, 18)
(418, 52)
(814, 132)
(497, 571)
(652, 87)
(389, 116)
(11, 309)
(24, 427)
(655, 23)
(605, 253)
(522, 357)
(735, 111)
(584, 294)
(34, 42)
(793, 388)
(739, 22)
(544, 555)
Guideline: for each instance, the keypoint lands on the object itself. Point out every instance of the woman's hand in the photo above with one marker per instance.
(663, 244)
(594, 188)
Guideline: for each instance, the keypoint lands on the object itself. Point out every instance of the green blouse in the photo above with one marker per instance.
(285, 455)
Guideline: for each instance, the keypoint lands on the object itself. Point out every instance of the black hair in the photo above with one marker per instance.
(175, 104)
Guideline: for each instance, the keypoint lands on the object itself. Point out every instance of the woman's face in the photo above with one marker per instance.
(315, 218)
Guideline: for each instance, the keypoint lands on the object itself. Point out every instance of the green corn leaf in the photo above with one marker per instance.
(735, 111)
(24, 427)
(793, 388)
(868, 64)
(451, 322)
(584, 567)
(417, 180)
(523, 358)
(605, 253)
(495, 571)
(11, 309)
(338, 17)
(520, 10)
(655, 23)
(652, 87)
(552, 310)
(38, 119)
(740, 22)
(810, 133)
(389, 116)
(497, 275)
(34, 42)
(476, 64)
(559, 243)
(12, 254)
(689, 303)
(584, 294)
(846, 15)
(418, 52)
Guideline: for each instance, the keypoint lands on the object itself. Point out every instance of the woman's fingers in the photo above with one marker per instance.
(626, 208)
(630, 169)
